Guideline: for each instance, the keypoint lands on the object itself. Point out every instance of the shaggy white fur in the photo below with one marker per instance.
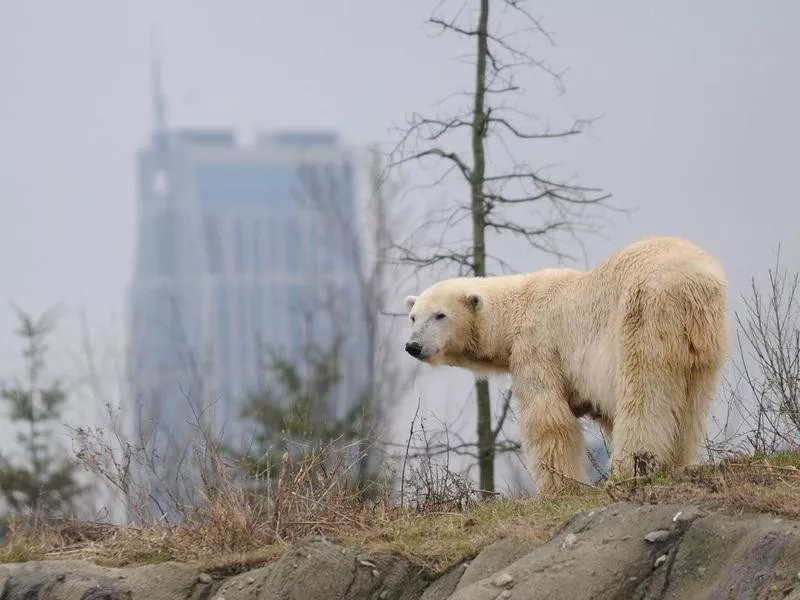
(637, 343)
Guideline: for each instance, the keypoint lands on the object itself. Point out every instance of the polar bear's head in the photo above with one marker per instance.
(443, 323)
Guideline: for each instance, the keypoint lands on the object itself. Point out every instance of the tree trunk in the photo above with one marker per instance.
(485, 435)
(374, 301)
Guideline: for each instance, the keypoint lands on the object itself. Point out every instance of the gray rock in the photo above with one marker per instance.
(739, 557)
(617, 569)
(655, 537)
(442, 587)
(496, 557)
(318, 569)
(699, 556)
(688, 514)
(79, 580)
(503, 580)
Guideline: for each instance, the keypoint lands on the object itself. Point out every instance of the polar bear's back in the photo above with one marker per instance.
(660, 277)
(656, 280)
(654, 270)
(654, 260)
(660, 300)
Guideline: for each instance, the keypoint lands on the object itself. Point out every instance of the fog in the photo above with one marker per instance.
(697, 136)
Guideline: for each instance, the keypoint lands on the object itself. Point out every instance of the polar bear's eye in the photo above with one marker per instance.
(413, 318)
(440, 316)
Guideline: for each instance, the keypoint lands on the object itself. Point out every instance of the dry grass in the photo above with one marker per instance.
(235, 536)
(433, 540)
(749, 484)
(436, 541)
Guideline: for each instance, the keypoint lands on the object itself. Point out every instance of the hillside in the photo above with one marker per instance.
(728, 531)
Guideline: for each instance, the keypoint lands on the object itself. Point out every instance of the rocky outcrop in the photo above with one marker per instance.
(318, 569)
(79, 580)
(624, 551)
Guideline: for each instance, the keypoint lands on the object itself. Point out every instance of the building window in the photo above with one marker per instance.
(275, 254)
(160, 183)
(223, 330)
(246, 188)
(145, 255)
(165, 234)
(242, 333)
(327, 258)
(295, 309)
(213, 239)
(274, 329)
(314, 229)
(257, 312)
(256, 244)
(239, 246)
(293, 246)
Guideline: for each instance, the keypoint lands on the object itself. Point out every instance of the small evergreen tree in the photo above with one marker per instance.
(36, 481)
(293, 414)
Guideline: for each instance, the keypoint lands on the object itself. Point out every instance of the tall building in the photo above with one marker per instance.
(239, 252)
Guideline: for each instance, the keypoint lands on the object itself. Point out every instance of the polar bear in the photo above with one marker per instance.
(637, 344)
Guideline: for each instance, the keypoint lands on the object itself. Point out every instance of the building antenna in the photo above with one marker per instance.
(157, 89)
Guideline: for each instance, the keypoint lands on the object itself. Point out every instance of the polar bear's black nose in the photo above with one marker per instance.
(413, 348)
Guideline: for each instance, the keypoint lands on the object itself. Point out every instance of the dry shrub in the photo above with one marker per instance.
(431, 487)
(314, 494)
(428, 483)
(741, 483)
(242, 514)
(763, 400)
(235, 519)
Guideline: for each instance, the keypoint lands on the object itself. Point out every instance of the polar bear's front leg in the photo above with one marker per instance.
(551, 435)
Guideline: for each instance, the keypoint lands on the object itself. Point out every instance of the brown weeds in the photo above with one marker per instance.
(239, 527)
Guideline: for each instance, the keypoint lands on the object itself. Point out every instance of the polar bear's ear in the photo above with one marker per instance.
(474, 301)
(410, 300)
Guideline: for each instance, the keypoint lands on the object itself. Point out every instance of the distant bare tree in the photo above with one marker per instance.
(767, 361)
(157, 466)
(475, 145)
(322, 187)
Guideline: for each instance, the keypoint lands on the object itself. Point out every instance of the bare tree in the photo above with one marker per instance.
(767, 360)
(323, 188)
(475, 145)
(154, 450)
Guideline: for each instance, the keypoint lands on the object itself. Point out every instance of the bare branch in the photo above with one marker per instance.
(444, 126)
(503, 414)
(520, 56)
(449, 25)
(575, 130)
(517, 5)
(451, 156)
(420, 261)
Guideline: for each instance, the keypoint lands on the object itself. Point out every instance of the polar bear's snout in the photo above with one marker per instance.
(427, 337)
(414, 349)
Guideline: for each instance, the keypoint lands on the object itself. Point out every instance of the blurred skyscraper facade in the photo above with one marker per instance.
(238, 254)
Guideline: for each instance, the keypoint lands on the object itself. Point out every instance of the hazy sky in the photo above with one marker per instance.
(700, 128)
